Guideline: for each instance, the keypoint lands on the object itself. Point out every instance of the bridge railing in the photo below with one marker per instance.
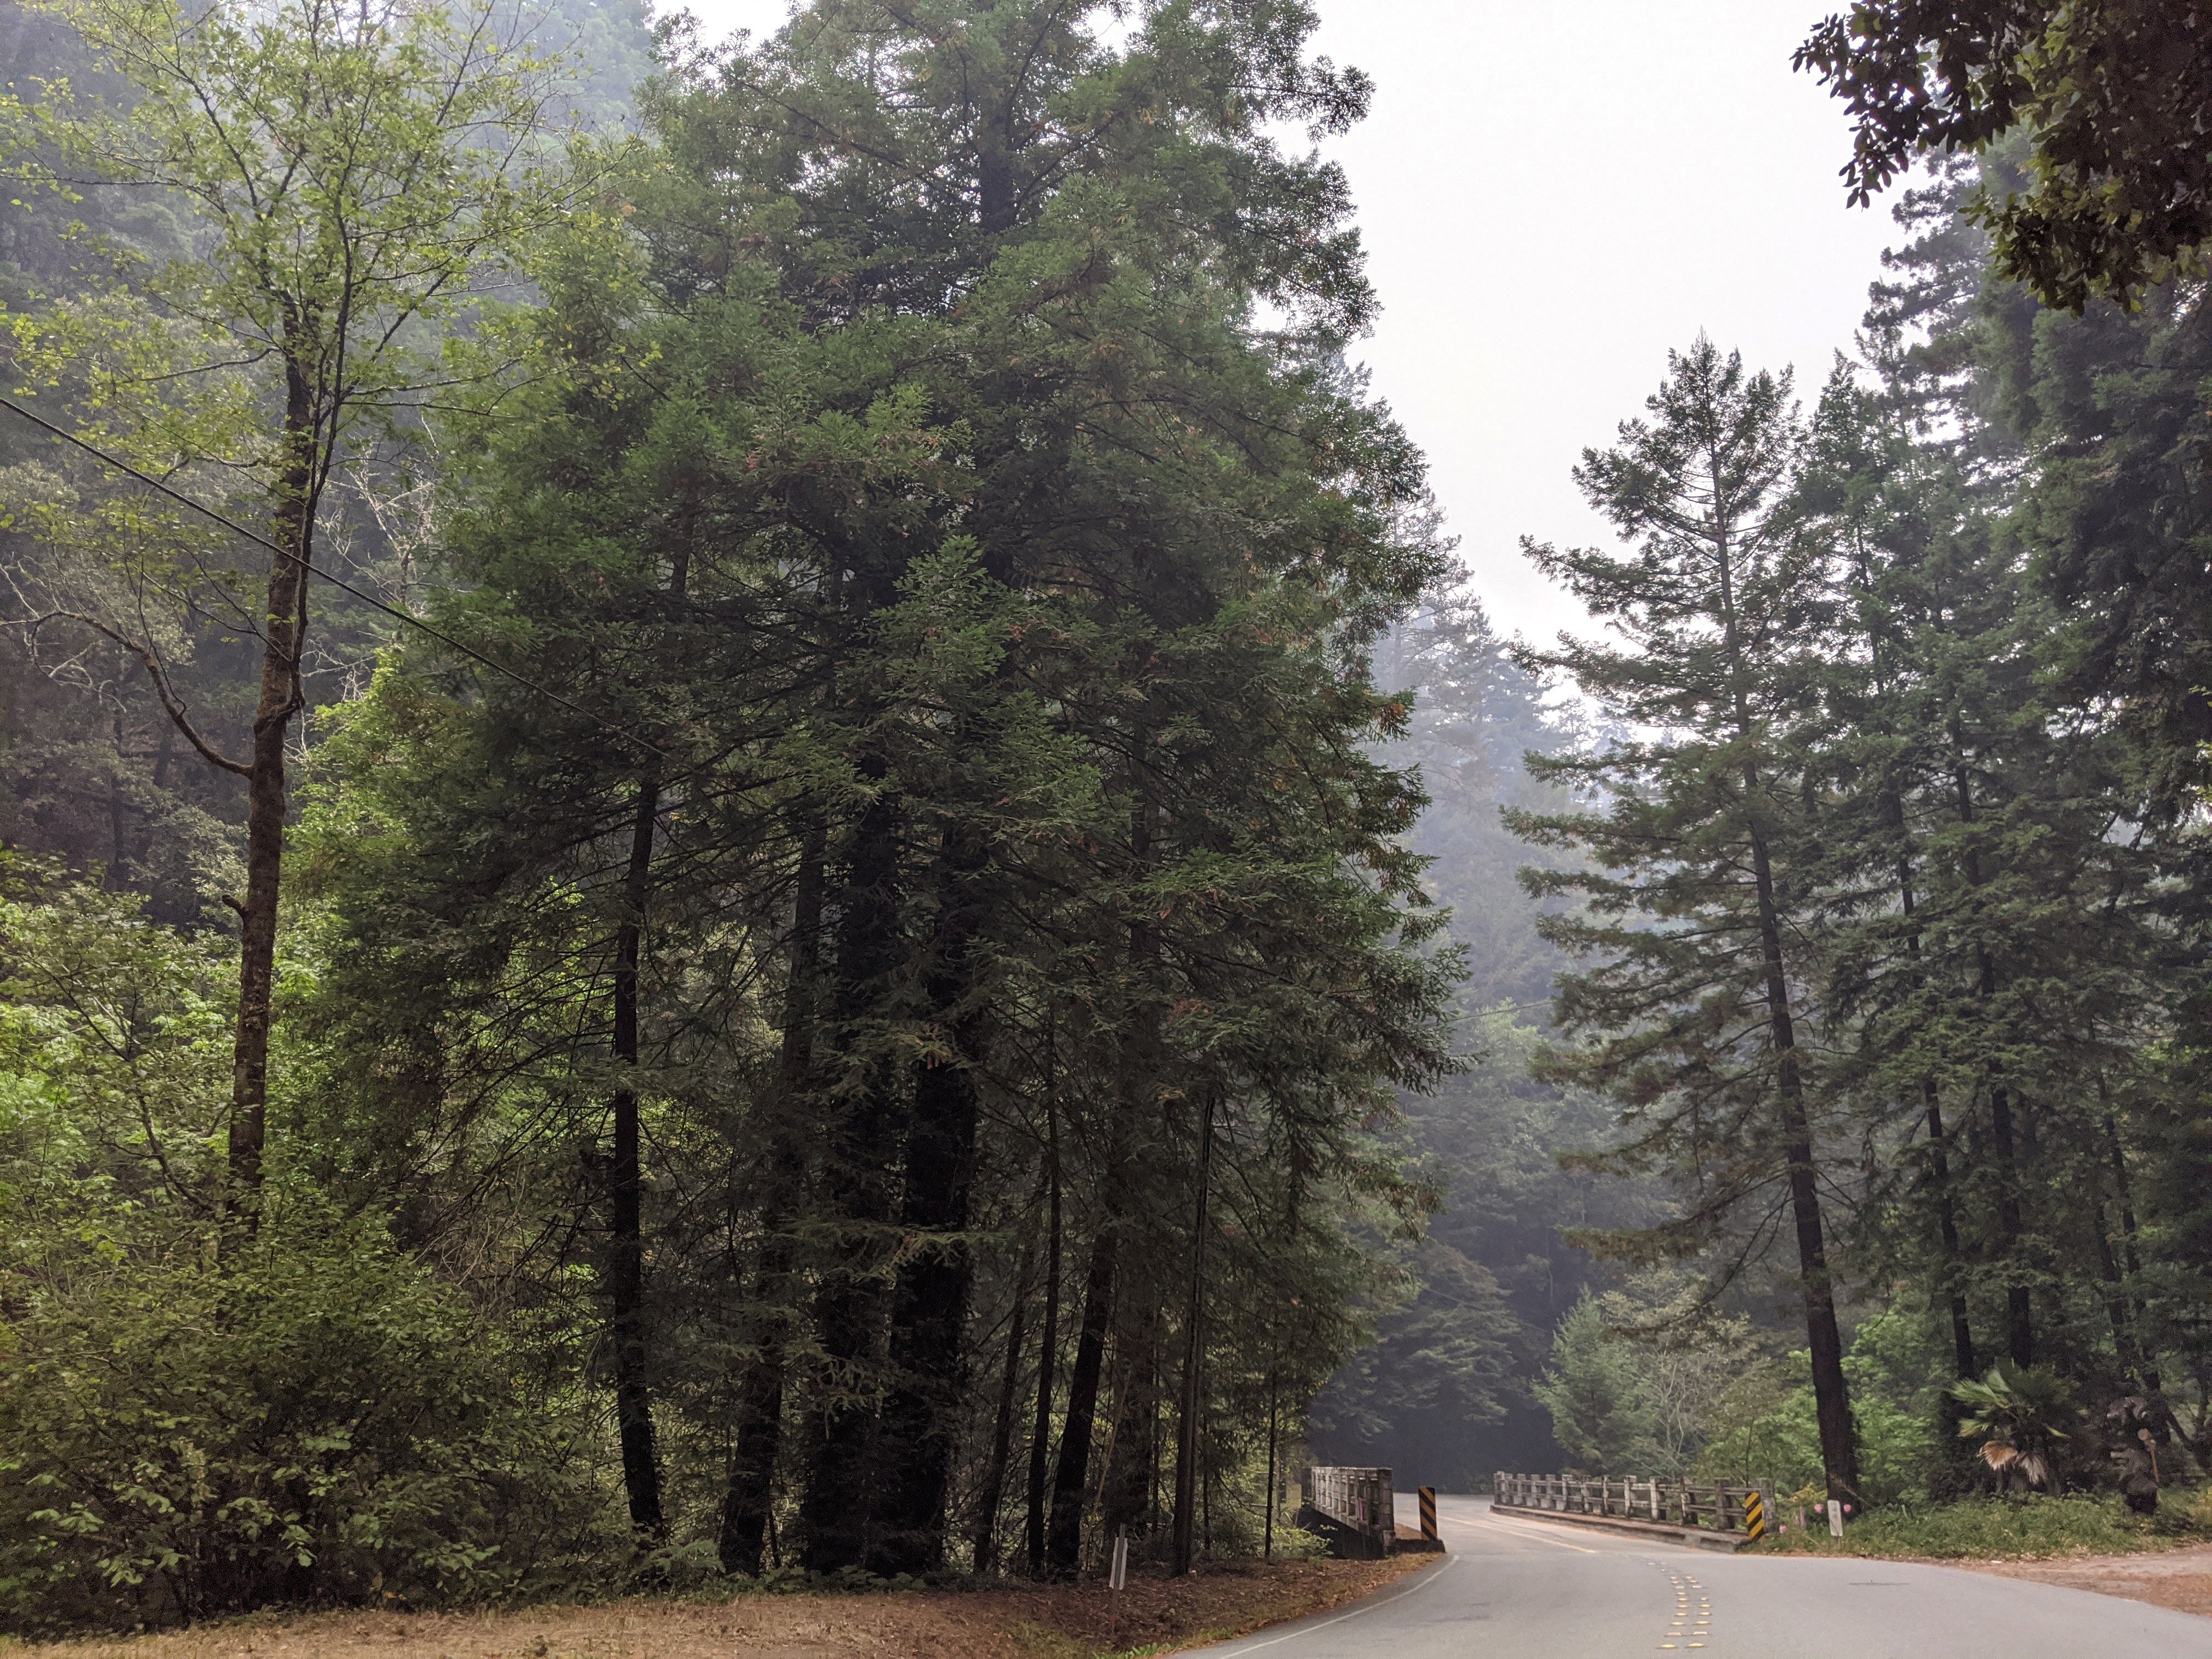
(1709, 1507)
(1358, 1500)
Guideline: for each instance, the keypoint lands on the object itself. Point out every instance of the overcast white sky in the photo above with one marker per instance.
(1553, 194)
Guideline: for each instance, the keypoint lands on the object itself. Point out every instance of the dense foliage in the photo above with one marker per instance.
(1895, 891)
(875, 933)
(2111, 99)
(865, 944)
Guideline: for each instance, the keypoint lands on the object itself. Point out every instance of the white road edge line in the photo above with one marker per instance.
(1525, 1532)
(1485, 1526)
(1371, 1605)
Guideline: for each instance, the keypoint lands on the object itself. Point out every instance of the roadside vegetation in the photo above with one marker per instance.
(2036, 1527)
(697, 882)
(1158, 1614)
(1890, 934)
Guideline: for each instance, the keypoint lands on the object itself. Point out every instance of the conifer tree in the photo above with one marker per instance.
(1889, 508)
(1696, 1017)
(1013, 719)
(1985, 922)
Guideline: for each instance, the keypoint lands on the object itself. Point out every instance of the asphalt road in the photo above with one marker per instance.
(1539, 1590)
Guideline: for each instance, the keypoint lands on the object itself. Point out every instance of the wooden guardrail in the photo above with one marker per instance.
(1716, 1507)
(1356, 1501)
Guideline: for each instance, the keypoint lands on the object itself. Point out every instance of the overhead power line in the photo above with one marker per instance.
(343, 585)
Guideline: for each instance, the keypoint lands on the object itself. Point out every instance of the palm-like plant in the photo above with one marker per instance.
(2019, 1410)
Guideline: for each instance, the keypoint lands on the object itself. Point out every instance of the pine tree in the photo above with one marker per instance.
(1599, 1415)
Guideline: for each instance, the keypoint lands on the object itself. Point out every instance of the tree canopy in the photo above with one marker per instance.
(2111, 102)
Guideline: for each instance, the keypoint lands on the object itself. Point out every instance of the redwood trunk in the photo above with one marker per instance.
(843, 1491)
(993, 1489)
(1125, 1491)
(626, 1193)
(2019, 1311)
(2131, 1292)
(1831, 1407)
(625, 1168)
(1047, 1347)
(1194, 1358)
(905, 1469)
(1070, 1480)
(1946, 1224)
(748, 1497)
(1939, 1147)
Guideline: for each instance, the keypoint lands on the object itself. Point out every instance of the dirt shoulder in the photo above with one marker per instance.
(2181, 1579)
(1159, 1615)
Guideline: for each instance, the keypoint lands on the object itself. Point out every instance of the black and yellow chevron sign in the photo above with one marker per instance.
(1754, 1516)
(1429, 1512)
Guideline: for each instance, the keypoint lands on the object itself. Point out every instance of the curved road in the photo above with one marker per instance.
(1542, 1590)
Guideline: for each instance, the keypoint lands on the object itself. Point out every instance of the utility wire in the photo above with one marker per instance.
(343, 586)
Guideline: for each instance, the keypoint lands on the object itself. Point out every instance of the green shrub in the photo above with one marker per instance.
(317, 1421)
(1782, 1445)
(311, 1415)
(1895, 1399)
(1297, 1544)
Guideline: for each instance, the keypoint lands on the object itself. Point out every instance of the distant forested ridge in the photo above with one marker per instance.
(1446, 1394)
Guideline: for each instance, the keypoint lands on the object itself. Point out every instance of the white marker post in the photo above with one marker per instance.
(1835, 1517)
(1118, 1578)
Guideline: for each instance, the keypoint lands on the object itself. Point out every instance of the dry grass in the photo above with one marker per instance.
(2181, 1579)
(1159, 1615)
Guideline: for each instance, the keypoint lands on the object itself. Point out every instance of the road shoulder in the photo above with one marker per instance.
(2181, 1579)
(1221, 1601)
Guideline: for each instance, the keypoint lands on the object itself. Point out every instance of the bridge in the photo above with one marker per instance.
(1356, 1509)
(1714, 1514)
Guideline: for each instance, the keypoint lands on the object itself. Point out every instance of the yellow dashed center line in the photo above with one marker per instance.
(1683, 1625)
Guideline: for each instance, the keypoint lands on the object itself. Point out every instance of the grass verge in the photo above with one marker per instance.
(2031, 1528)
(1159, 1615)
